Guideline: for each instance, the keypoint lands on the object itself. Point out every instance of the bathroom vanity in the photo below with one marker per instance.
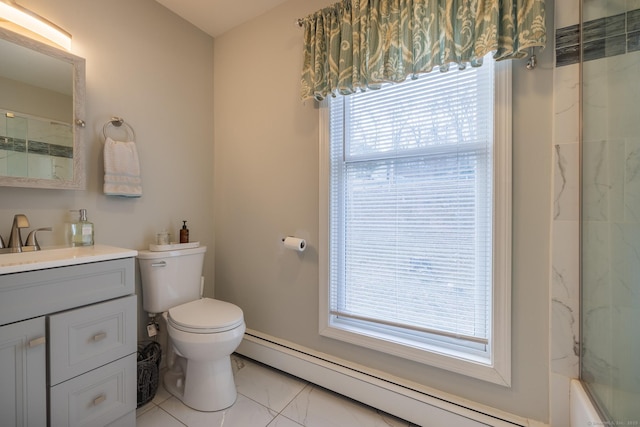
(68, 337)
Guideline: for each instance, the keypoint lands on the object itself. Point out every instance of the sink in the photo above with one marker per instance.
(60, 256)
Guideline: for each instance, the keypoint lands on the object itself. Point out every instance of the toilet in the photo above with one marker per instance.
(203, 332)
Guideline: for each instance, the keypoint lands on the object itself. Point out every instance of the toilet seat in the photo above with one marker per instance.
(205, 316)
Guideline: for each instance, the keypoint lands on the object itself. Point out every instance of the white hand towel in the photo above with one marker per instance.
(121, 169)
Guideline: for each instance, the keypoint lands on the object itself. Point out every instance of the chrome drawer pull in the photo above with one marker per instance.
(100, 336)
(98, 400)
(38, 341)
(159, 264)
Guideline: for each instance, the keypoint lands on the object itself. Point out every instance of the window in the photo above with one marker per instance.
(416, 218)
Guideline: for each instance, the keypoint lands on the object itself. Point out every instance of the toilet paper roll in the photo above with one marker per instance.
(295, 244)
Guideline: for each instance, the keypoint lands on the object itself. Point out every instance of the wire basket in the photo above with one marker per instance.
(149, 353)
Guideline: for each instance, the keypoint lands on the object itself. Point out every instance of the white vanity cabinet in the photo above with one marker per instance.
(68, 340)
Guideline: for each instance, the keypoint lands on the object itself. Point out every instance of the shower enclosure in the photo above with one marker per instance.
(35, 147)
(610, 211)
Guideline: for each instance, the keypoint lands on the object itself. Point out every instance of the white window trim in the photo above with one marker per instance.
(498, 369)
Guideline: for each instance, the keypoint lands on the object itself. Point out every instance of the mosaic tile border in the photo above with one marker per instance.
(35, 147)
(602, 38)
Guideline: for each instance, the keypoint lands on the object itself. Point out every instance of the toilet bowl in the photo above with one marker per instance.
(201, 374)
(202, 332)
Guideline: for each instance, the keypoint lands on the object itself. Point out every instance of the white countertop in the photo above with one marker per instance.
(60, 256)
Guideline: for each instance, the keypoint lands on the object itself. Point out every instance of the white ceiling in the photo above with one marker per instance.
(214, 17)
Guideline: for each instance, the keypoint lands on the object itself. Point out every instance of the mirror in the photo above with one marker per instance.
(42, 92)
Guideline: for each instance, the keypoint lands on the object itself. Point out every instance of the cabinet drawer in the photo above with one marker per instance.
(40, 292)
(91, 336)
(96, 398)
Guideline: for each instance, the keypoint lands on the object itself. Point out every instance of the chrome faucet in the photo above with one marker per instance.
(15, 239)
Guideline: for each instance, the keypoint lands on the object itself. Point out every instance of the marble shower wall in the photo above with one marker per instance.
(566, 214)
(564, 282)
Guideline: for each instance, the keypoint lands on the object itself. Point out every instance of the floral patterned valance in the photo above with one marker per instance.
(359, 44)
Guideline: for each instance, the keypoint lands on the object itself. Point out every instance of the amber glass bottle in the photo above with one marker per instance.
(184, 233)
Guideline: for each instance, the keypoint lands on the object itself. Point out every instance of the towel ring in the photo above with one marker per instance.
(117, 122)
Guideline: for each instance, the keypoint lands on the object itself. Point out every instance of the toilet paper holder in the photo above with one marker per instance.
(294, 243)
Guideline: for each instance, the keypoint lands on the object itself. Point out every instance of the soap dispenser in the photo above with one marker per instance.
(82, 231)
(184, 233)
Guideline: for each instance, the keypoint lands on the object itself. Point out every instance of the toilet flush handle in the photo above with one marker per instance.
(159, 264)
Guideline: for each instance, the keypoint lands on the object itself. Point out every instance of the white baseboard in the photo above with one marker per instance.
(412, 402)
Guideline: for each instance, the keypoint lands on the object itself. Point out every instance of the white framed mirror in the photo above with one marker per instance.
(42, 95)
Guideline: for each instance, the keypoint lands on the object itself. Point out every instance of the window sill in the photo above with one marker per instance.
(464, 363)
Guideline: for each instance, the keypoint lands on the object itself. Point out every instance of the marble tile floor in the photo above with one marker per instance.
(267, 397)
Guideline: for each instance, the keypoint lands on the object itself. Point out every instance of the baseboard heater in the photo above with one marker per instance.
(391, 395)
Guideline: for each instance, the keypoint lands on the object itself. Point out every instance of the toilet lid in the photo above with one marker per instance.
(206, 315)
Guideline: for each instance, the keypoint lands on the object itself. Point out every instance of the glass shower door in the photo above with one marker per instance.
(610, 276)
(13, 145)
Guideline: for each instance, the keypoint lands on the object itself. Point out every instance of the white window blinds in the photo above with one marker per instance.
(410, 221)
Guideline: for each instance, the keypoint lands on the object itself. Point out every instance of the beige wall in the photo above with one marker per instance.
(155, 70)
(35, 101)
(266, 186)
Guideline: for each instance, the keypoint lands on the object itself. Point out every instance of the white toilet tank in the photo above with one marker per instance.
(170, 278)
